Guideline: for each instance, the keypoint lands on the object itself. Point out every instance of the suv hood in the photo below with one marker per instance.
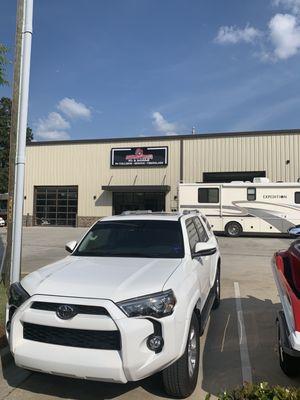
(101, 277)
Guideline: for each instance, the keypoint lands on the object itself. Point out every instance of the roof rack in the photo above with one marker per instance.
(190, 211)
(136, 212)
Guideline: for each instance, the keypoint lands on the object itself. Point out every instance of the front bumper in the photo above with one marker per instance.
(133, 362)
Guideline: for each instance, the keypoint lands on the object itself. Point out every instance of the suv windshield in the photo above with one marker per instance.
(133, 238)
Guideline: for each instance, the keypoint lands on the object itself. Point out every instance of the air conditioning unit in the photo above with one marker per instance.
(261, 180)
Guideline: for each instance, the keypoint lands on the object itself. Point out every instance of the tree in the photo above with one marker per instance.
(3, 64)
(5, 118)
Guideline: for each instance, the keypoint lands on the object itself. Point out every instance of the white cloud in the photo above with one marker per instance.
(234, 35)
(73, 109)
(53, 121)
(53, 135)
(55, 126)
(52, 127)
(292, 5)
(162, 125)
(284, 35)
(279, 42)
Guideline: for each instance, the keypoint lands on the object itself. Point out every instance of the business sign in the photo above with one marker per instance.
(139, 156)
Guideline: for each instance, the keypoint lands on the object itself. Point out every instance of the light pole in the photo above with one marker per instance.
(12, 261)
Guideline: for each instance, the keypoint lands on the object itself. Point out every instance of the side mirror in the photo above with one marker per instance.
(203, 249)
(70, 246)
(294, 230)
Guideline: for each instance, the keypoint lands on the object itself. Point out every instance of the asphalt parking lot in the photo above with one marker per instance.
(246, 274)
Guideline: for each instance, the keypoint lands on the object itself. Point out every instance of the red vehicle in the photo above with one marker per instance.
(286, 268)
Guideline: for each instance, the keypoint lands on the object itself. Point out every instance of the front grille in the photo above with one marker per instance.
(80, 309)
(104, 340)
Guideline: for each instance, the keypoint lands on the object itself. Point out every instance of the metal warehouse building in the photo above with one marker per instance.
(76, 182)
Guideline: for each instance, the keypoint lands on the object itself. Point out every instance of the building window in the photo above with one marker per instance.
(251, 194)
(208, 195)
(297, 197)
(221, 177)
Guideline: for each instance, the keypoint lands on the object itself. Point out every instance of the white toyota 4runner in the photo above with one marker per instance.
(131, 300)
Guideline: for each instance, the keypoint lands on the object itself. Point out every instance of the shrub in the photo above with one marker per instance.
(262, 391)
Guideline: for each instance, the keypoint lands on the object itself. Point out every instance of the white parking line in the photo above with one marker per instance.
(224, 334)
(244, 353)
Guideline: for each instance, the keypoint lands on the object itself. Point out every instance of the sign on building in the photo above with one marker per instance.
(139, 156)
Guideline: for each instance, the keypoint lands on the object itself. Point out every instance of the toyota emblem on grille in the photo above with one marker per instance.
(65, 312)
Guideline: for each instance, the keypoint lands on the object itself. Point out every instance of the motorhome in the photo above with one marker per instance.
(238, 207)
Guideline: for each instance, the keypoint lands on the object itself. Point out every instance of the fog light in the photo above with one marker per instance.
(155, 343)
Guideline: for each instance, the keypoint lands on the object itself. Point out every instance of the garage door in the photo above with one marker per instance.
(55, 205)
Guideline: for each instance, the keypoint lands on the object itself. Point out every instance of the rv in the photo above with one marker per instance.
(244, 207)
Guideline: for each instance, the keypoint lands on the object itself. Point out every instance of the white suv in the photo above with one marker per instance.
(132, 299)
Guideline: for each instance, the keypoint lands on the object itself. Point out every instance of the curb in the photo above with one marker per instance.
(6, 357)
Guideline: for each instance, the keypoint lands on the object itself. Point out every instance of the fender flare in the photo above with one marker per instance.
(218, 268)
(194, 304)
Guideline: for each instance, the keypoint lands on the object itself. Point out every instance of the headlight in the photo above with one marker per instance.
(155, 305)
(17, 295)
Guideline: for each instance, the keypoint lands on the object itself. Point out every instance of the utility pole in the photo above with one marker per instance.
(12, 261)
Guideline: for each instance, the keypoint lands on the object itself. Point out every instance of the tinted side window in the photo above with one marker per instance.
(201, 231)
(297, 197)
(207, 223)
(251, 194)
(192, 234)
(208, 195)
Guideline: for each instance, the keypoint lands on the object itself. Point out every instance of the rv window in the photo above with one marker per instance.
(208, 195)
(297, 197)
(251, 194)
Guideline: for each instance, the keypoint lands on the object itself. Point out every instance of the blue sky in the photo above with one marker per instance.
(119, 68)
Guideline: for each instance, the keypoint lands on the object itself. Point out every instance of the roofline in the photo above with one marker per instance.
(242, 184)
(166, 138)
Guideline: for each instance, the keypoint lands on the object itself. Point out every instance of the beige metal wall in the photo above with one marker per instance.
(264, 152)
(88, 165)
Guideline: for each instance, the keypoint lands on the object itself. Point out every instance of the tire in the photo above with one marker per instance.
(289, 364)
(180, 378)
(217, 290)
(233, 229)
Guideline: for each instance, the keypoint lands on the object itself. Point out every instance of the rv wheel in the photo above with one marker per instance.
(233, 229)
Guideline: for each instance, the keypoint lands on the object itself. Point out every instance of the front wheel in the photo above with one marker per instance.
(288, 364)
(180, 378)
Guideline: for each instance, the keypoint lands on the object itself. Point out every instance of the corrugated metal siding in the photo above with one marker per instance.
(88, 165)
(250, 153)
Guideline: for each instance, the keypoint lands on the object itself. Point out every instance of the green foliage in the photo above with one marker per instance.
(3, 64)
(262, 391)
(5, 118)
